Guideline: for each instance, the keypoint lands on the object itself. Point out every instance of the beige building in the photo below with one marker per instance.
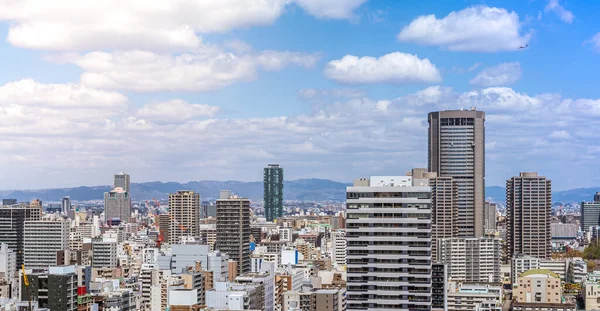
(538, 286)
(528, 204)
(591, 296)
(457, 149)
(184, 208)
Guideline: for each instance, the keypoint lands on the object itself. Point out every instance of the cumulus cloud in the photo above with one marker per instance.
(205, 70)
(74, 25)
(500, 75)
(390, 68)
(176, 110)
(560, 135)
(478, 28)
(564, 14)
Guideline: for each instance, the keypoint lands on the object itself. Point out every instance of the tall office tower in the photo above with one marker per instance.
(471, 259)
(528, 208)
(117, 205)
(273, 190)
(184, 207)
(457, 150)
(122, 181)
(65, 205)
(44, 241)
(388, 232)
(233, 229)
(12, 226)
(444, 205)
(489, 216)
(590, 213)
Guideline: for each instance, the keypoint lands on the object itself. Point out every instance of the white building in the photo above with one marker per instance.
(289, 256)
(338, 247)
(471, 259)
(8, 263)
(474, 297)
(388, 234)
(104, 253)
(43, 239)
(186, 255)
(231, 296)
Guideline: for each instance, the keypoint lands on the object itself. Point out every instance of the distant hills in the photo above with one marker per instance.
(301, 189)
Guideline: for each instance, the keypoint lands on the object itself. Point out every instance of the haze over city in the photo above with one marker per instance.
(181, 91)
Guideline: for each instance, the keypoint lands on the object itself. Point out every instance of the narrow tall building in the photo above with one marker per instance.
(122, 181)
(590, 213)
(65, 205)
(489, 216)
(528, 208)
(388, 232)
(457, 150)
(273, 192)
(233, 229)
(184, 207)
(12, 226)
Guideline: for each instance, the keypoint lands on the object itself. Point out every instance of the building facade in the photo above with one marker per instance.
(457, 150)
(233, 229)
(489, 216)
(538, 286)
(44, 239)
(273, 192)
(184, 208)
(117, 205)
(471, 259)
(12, 227)
(388, 232)
(590, 213)
(528, 208)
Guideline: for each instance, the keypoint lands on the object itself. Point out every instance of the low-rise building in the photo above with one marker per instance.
(538, 286)
(474, 297)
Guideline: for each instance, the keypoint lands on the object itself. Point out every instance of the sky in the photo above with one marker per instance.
(187, 90)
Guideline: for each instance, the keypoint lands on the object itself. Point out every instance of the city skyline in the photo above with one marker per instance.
(228, 85)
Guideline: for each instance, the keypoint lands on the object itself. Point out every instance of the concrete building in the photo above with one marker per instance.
(457, 149)
(164, 223)
(209, 234)
(104, 253)
(55, 290)
(590, 213)
(184, 207)
(444, 209)
(231, 296)
(522, 263)
(523, 306)
(6, 202)
(12, 226)
(528, 208)
(471, 259)
(186, 255)
(388, 232)
(121, 180)
(44, 240)
(338, 247)
(591, 295)
(266, 278)
(538, 286)
(233, 229)
(65, 205)
(273, 192)
(489, 216)
(439, 286)
(117, 205)
(149, 278)
(475, 297)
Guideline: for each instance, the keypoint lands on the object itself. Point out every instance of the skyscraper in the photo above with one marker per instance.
(457, 150)
(590, 213)
(233, 229)
(12, 226)
(273, 192)
(184, 207)
(528, 208)
(388, 232)
(122, 181)
(65, 205)
(489, 216)
(117, 202)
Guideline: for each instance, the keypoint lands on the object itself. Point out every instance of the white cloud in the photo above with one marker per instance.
(176, 110)
(500, 99)
(335, 93)
(204, 70)
(560, 135)
(479, 28)
(595, 42)
(333, 9)
(390, 68)
(500, 75)
(564, 15)
(74, 25)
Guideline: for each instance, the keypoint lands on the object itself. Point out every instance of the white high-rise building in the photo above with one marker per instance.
(471, 259)
(338, 247)
(8, 263)
(43, 240)
(388, 234)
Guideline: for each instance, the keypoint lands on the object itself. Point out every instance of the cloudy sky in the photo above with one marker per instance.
(194, 89)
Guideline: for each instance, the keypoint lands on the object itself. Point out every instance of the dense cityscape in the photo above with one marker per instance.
(425, 240)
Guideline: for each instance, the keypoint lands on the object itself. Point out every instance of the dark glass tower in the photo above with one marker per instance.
(273, 178)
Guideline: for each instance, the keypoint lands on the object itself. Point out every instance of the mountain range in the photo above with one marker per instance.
(301, 189)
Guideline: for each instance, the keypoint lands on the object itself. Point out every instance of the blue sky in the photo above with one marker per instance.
(338, 89)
